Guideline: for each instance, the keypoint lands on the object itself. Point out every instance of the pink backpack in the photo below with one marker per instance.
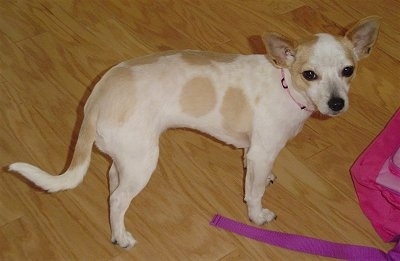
(376, 177)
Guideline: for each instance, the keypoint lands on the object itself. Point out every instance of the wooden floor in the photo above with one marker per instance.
(52, 53)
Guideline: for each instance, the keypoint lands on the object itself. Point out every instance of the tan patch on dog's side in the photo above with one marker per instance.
(117, 95)
(206, 58)
(236, 111)
(198, 97)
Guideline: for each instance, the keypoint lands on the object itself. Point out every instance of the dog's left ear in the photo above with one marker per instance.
(363, 35)
(280, 50)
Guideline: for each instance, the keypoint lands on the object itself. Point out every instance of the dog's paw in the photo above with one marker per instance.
(263, 217)
(270, 179)
(125, 240)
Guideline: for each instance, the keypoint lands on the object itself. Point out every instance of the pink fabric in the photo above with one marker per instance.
(389, 175)
(378, 203)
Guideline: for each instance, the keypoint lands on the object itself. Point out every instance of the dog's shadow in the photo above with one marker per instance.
(256, 44)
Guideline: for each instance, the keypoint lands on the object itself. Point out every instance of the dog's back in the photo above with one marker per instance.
(215, 93)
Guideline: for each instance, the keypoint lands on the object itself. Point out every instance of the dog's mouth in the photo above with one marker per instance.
(317, 114)
(334, 113)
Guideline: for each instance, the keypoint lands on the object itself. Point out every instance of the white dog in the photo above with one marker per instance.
(255, 102)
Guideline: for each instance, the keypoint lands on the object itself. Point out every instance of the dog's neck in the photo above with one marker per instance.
(306, 105)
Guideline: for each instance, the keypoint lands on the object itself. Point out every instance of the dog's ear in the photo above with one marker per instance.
(280, 50)
(363, 35)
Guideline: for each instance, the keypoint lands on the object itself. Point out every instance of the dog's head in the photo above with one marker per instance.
(323, 65)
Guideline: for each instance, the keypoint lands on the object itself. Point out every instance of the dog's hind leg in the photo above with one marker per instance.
(134, 171)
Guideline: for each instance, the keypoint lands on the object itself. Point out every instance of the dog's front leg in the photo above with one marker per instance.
(258, 175)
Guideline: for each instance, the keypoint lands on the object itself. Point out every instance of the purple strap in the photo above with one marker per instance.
(306, 244)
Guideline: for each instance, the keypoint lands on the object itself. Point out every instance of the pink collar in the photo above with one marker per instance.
(286, 87)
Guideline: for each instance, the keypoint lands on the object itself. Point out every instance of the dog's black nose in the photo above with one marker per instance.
(336, 104)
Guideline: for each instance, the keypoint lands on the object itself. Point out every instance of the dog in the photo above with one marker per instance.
(255, 102)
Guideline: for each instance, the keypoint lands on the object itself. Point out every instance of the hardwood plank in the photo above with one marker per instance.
(53, 52)
(16, 22)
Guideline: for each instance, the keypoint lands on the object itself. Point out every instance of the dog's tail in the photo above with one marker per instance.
(75, 172)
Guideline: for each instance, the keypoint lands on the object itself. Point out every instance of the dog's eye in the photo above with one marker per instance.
(348, 71)
(310, 75)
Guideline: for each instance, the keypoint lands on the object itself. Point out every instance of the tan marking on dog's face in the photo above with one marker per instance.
(303, 52)
(206, 58)
(348, 49)
(302, 62)
(325, 57)
(347, 46)
(236, 111)
(198, 97)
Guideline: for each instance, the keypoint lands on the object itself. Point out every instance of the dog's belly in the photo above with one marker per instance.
(239, 140)
(212, 126)
(110, 142)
